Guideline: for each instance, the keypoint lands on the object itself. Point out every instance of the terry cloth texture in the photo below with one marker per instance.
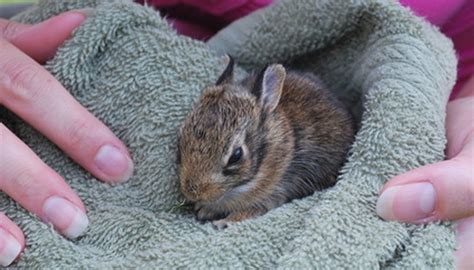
(131, 70)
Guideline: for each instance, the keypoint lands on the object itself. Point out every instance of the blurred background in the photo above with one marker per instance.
(8, 8)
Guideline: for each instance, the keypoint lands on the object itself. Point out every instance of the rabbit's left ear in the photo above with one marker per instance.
(228, 75)
(269, 86)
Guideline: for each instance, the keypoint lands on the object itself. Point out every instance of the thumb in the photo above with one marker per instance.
(464, 244)
(40, 41)
(443, 190)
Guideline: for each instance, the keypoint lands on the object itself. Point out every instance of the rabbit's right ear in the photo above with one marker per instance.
(228, 75)
(269, 86)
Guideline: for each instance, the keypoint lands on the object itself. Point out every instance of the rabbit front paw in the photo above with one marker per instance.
(206, 213)
(236, 217)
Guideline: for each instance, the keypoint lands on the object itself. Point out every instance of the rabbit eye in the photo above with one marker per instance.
(235, 157)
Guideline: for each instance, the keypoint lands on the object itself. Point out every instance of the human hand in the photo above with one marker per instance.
(444, 190)
(33, 94)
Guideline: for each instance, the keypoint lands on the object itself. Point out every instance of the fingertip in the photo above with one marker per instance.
(408, 197)
(12, 241)
(10, 247)
(115, 165)
(413, 202)
(439, 191)
(385, 204)
(12, 228)
(67, 218)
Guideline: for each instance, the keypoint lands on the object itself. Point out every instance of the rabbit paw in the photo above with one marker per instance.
(205, 213)
(236, 217)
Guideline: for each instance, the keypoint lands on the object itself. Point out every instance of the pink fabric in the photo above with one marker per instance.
(456, 20)
(201, 19)
(435, 11)
(214, 7)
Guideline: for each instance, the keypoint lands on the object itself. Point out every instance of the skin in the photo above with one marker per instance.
(30, 92)
(452, 179)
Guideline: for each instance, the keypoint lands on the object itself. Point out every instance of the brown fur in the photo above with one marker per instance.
(294, 134)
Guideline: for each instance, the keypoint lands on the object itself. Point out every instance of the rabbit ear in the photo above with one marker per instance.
(268, 86)
(228, 75)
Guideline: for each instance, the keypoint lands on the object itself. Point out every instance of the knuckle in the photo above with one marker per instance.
(17, 82)
(78, 133)
(8, 29)
(24, 184)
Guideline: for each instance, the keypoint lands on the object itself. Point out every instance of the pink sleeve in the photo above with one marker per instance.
(228, 10)
(222, 7)
(201, 19)
(456, 20)
(435, 11)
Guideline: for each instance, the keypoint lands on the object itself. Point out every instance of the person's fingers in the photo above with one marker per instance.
(33, 94)
(12, 240)
(443, 190)
(459, 125)
(464, 254)
(38, 188)
(40, 41)
(468, 89)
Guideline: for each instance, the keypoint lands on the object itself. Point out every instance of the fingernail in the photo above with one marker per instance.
(65, 216)
(87, 12)
(10, 248)
(411, 202)
(115, 164)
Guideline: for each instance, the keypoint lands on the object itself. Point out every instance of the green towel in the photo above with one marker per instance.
(129, 68)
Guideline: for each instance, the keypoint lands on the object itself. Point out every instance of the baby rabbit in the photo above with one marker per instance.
(245, 149)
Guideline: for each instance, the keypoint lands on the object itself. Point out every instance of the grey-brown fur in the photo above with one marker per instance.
(294, 134)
